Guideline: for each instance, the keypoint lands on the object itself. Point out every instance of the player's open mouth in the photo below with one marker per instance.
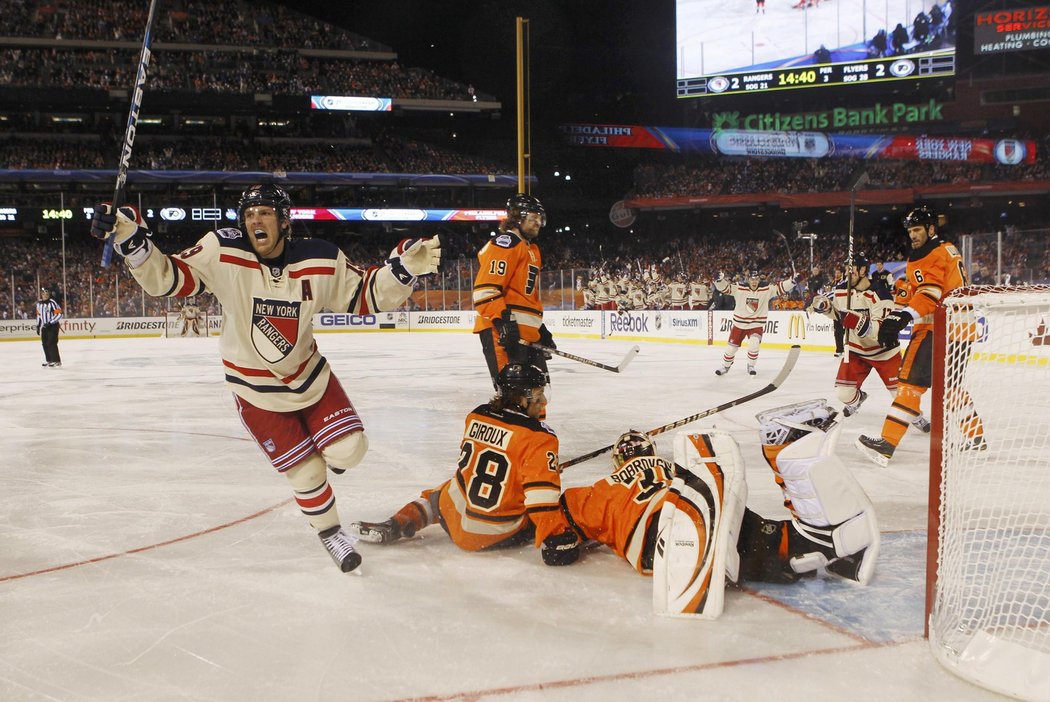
(260, 234)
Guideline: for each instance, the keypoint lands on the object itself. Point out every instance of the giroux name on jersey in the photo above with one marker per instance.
(488, 434)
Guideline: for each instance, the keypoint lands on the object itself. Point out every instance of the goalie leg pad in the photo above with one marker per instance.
(699, 524)
(833, 516)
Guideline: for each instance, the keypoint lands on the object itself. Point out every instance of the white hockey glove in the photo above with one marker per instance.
(415, 257)
(821, 305)
(129, 232)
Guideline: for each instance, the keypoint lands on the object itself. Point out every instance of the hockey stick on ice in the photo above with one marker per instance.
(789, 364)
(129, 131)
(573, 357)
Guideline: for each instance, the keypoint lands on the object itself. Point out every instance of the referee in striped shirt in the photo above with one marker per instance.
(48, 316)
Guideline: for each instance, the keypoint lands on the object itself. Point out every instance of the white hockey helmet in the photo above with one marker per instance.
(632, 443)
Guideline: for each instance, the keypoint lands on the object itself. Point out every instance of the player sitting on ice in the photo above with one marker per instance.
(659, 515)
(506, 490)
(860, 310)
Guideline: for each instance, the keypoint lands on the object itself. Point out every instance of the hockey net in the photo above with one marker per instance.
(175, 325)
(988, 566)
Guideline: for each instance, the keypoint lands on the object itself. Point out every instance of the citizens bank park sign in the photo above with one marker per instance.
(748, 141)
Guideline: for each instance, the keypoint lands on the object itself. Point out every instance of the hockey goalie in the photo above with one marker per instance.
(191, 317)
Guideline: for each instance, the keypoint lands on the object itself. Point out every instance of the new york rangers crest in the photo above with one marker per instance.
(752, 304)
(275, 327)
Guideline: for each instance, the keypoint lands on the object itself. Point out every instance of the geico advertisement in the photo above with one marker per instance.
(451, 319)
(332, 321)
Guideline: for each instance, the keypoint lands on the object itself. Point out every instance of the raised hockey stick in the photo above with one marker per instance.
(789, 364)
(573, 357)
(129, 131)
(794, 273)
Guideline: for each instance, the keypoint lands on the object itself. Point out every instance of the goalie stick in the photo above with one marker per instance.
(789, 364)
(573, 357)
(129, 131)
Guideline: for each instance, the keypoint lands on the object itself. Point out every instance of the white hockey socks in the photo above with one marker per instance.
(313, 494)
(833, 522)
(699, 524)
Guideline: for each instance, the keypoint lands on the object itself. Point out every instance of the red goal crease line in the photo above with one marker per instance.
(151, 547)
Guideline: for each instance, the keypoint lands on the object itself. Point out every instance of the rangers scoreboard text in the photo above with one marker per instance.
(845, 73)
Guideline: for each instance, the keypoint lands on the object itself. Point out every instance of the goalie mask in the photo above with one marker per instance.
(266, 194)
(631, 444)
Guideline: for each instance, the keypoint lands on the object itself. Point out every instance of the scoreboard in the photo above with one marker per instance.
(875, 70)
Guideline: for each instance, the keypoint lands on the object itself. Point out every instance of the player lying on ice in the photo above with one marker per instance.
(686, 523)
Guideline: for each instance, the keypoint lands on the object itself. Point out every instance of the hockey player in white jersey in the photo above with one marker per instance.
(749, 315)
(860, 310)
(270, 286)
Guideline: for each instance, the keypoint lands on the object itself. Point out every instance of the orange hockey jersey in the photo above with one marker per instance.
(934, 270)
(620, 510)
(507, 481)
(509, 278)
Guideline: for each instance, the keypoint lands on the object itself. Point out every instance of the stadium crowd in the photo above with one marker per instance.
(571, 262)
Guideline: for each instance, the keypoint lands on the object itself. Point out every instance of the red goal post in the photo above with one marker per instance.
(988, 551)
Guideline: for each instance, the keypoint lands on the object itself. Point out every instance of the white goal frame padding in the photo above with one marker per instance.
(988, 559)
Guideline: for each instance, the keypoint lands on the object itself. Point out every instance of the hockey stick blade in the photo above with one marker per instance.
(573, 357)
(785, 371)
(627, 359)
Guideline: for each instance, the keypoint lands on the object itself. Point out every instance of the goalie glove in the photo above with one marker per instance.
(415, 257)
(130, 233)
(561, 549)
(892, 325)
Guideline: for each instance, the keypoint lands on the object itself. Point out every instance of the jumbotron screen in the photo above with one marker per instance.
(747, 46)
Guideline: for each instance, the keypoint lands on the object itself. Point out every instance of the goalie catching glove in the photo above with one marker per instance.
(130, 233)
(412, 258)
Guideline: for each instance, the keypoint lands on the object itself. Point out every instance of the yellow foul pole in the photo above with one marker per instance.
(524, 140)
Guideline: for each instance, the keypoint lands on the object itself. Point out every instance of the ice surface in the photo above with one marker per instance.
(149, 552)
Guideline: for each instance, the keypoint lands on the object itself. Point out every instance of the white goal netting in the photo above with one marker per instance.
(989, 619)
(191, 324)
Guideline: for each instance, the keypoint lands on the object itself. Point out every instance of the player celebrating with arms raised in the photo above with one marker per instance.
(749, 315)
(270, 286)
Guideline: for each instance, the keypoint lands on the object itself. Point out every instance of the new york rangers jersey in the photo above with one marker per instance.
(267, 344)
